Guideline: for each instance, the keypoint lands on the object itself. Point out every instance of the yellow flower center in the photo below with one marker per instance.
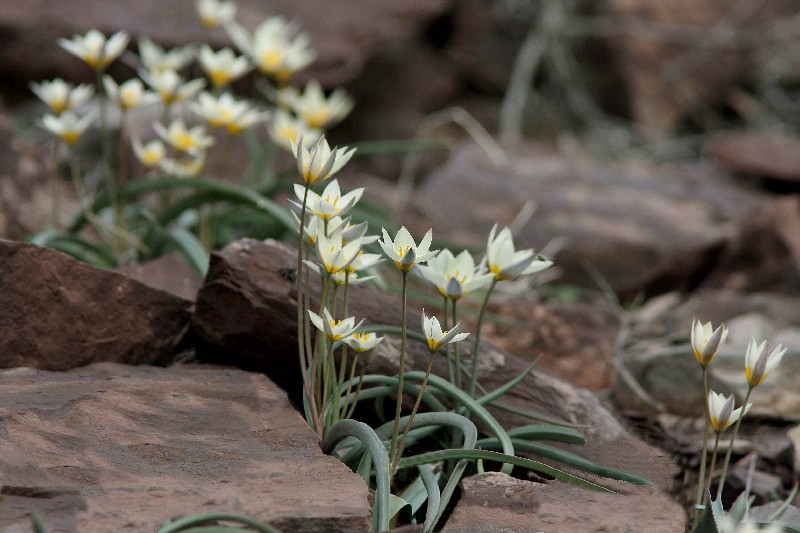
(151, 158)
(59, 106)
(185, 141)
(220, 77)
(128, 97)
(317, 118)
(71, 137)
(270, 61)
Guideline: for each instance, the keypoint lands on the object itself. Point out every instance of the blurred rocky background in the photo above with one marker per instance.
(651, 146)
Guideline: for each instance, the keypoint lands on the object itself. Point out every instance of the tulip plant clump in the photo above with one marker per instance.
(760, 360)
(180, 205)
(333, 251)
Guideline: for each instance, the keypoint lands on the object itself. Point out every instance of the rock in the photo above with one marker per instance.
(763, 485)
(659, 355)
(764, 256)
(668, 80)
(110, 447)
(59, 313)
(246, 311)
(791, 514)
(760, 154)
(677, 219)
(345, 35)
(794, 436)
(169, 273)
(502, 504)
(574, 341)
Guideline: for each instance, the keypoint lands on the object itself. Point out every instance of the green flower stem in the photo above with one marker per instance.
(165, 195)
(122, 176)
(302, 289)
(730, 444)
(319, 362)
(401, 375)
(451, 369)
(349, 388)
(329, 365)
(345, 311)
(340, 410)
(713, 464)
(401, 446)
(477, 342)
(55, 196)
(75, 173)
(106, 149)
(701, 494)
(457, 351)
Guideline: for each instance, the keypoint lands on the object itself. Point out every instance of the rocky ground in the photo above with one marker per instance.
(136, 396)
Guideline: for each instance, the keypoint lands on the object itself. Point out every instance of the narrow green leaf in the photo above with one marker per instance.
(444, 455)
(400, 510)
(183, 524)
(546, 432)
(534, 416)
(568, 458)
(431, 482)
(470, 404)
(224, 192)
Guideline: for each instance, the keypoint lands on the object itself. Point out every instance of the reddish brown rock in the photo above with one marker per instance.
(502, 504)
(574, 341)
(169, 273)
(759, 154)
(58, 313)
(114, 448)
(345, 34)
(641, 227)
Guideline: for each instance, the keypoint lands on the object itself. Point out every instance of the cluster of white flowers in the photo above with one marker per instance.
(276, 49)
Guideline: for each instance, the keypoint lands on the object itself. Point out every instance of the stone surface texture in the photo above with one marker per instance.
(503, 504)
(669, 77)
(58, 313)
(641, 227)
(170, 273)
(759, 154)
(111, 447)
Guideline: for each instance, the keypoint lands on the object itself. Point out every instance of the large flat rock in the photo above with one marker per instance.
(111, 447)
